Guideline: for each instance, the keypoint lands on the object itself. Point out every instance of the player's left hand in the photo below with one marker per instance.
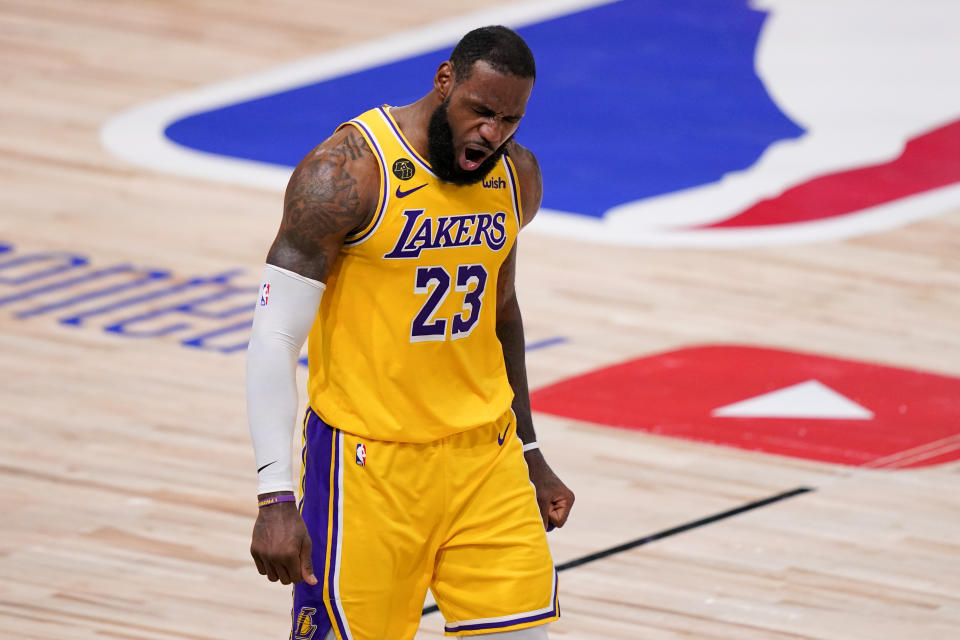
(554, 497)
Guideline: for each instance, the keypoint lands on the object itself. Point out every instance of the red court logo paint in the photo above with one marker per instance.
(928, 162)
(782, 402)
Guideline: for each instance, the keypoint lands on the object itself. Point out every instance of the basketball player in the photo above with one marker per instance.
(396, 254)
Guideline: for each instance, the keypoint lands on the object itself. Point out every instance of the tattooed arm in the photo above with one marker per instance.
(331, 193)
(554, 498)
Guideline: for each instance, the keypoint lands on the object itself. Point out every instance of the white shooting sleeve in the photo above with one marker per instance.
(282, 319)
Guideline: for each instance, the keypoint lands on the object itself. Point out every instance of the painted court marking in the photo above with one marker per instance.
(206, 312)
(764, 145)
(790, 403)
(810, 399)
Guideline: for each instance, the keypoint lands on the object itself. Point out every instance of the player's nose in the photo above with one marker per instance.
(492, 131)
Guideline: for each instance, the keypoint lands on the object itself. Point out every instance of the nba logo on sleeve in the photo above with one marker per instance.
(265, 294)
(361, 455)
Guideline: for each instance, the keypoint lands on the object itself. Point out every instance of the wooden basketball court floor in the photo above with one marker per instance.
(126, 473)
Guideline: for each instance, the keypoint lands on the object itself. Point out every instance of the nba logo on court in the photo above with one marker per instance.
(361, 455)
(265, 294)
(794, 167)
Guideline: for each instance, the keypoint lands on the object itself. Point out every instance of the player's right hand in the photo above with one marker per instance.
(281, 545)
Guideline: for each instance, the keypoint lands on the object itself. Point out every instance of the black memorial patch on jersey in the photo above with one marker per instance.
(404, 169)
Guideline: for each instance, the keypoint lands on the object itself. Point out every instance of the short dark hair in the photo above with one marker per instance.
(499, 47)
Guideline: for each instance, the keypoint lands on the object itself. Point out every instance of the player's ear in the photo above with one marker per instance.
(444, 79)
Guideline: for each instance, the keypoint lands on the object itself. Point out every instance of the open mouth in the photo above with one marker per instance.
(472, 158)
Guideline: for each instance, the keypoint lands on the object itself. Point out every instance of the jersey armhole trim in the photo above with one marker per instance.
(514, 189)
(402, 139)
(367, 231)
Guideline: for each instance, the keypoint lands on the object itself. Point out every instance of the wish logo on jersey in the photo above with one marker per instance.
(444, 232)
(721, 129)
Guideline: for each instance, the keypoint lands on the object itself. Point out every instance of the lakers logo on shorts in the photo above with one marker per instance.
(304, 628)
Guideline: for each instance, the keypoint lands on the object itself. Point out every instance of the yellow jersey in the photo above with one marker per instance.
(404, 347)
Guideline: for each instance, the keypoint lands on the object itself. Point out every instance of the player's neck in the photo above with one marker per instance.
(414, 119)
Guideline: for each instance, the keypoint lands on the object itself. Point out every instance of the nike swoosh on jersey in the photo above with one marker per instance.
(501, 438)
(404, 194)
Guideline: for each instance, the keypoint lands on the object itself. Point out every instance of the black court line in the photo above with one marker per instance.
(660, 535)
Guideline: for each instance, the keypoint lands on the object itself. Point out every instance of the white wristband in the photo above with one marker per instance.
(530, 446)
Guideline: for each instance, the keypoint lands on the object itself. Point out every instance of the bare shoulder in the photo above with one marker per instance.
(331, 193)
(335, 177)
(531, 182)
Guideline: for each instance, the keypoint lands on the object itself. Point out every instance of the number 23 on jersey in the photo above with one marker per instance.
(435, 283)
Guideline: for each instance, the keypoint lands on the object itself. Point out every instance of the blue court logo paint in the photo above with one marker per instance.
(633, 99)
(655, 121)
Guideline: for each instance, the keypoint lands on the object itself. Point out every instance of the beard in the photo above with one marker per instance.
(443, 156)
